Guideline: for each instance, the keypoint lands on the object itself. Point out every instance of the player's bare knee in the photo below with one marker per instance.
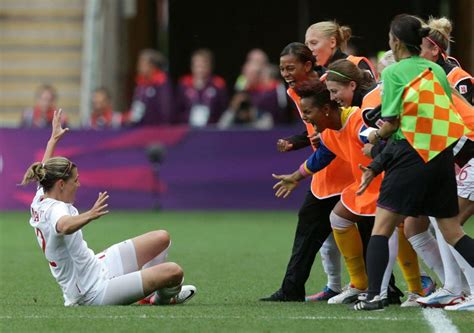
(174, 272)
(162, 238)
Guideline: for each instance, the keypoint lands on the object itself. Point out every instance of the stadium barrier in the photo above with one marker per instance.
(172, 168)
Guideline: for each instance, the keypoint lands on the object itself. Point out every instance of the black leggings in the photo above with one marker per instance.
(312, 230)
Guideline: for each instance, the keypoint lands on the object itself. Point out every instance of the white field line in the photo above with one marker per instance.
(145, 316)
(439, 322)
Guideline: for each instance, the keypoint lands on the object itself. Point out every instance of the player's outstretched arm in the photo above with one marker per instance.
(57, 133)
(287, 183)
(68, 224)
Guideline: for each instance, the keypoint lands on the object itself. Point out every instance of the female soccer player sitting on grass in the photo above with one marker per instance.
(127, 272)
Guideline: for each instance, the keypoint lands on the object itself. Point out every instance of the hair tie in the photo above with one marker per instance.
(340, 74)
(443, 51)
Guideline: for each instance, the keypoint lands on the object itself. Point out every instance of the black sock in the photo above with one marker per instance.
(377, 261)
(465, 247)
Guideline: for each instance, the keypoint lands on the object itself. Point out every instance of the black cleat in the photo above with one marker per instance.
(394, 295)
(376, 304)
(279, 296)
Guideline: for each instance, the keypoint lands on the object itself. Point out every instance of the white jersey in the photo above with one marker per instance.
(72, 263)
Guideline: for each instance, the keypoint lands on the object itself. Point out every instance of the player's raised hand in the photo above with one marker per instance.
(285, 186)
(57, 130)
(100, 206)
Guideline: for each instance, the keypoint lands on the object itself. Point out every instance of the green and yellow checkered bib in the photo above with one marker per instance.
(429, 120)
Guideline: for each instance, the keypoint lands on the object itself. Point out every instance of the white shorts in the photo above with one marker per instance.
(121, 281)
(465, 180)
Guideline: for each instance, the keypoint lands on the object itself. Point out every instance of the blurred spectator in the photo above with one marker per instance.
(256, 60)
(201, 96)
(152, 98)
(261, 80)
(242, 113)
(272, 97)
(41, 114)
(102, 115)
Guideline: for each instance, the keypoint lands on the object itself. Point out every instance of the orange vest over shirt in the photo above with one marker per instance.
(463, 107)
(335, 177)
(347, 145)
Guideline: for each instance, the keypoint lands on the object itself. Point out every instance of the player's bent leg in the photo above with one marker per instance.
(166, 281)
(122, 290)
(166, 275)
(150, 245)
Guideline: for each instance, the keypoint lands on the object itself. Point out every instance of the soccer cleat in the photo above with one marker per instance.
(187, 292)
(376, 304)
(466, 305)
(144, 301)
(440, 298)
(411, 302)
(323, 295)
(279, 296)
(428, 285)
(348, 295)
(394, 295)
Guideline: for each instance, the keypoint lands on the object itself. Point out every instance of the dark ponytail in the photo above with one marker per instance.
(410, 31)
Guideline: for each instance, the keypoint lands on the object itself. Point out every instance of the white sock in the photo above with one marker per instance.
(331, 260)
(468, 270)
(452, 272)
(393, 252)
(159, 259)
(426, 246)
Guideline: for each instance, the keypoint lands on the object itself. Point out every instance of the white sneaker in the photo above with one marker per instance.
(440, 298)
(466, 305)
(411, 301)
(185, 294)
(348, 295)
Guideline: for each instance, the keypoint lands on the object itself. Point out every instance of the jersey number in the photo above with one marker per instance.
(39, 235)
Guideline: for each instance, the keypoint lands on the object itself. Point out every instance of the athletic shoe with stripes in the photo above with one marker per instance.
(411, 302)
(375, 304)
(323, 295)
(466, 305)
(440, 298)
(348, 295)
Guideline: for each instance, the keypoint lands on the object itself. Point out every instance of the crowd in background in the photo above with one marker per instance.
(201, 98)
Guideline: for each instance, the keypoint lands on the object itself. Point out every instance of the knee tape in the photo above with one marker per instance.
(338, 222)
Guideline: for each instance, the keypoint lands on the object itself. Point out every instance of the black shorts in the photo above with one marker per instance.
(412, 187)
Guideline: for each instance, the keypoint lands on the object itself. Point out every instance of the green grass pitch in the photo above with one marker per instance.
(232, 257)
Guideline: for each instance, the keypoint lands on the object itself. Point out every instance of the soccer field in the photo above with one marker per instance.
(232, 257)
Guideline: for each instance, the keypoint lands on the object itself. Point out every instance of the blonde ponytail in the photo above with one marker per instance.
(48, 173)
(440, 31)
